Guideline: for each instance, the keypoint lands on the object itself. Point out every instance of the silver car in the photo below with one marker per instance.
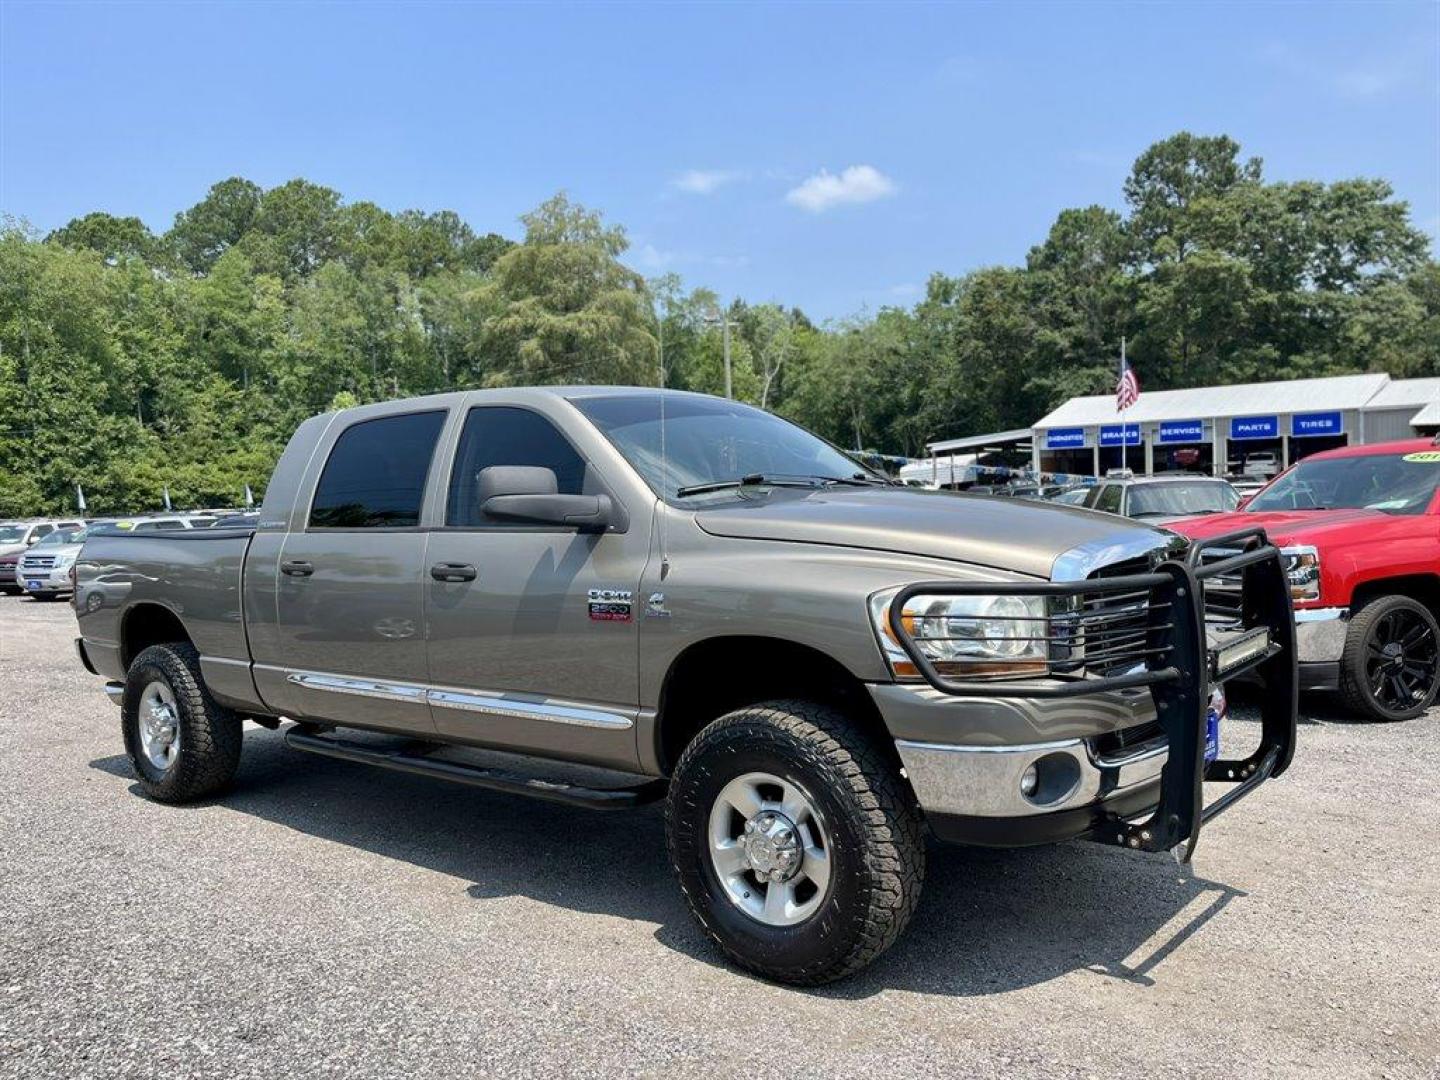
(17, 537)
(44, 570)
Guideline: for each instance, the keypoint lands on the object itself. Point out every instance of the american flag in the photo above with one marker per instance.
(1127, 390)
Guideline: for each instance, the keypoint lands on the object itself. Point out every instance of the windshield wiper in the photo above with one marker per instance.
(748, 480)
(858, 480)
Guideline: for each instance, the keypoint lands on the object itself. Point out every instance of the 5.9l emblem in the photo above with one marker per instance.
(611, 605)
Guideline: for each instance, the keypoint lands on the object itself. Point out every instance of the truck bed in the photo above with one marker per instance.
(195, 574)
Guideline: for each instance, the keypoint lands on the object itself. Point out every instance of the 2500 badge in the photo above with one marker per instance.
(611, 605)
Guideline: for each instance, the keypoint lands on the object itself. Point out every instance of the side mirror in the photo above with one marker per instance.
(31, 540)
(1244, 502)
(527, 494)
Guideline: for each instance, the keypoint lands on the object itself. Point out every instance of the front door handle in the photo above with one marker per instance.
(296, 568)
(453, 571)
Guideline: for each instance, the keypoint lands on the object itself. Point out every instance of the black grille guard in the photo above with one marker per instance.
(1181, 668)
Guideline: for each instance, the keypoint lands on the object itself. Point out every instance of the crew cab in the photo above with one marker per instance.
(807, 662)
(1360, 531)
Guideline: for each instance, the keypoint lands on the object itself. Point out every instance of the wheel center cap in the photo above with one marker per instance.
(772, 846)
(1395, 654)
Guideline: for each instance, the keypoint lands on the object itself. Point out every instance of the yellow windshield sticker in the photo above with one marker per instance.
(1426, 456)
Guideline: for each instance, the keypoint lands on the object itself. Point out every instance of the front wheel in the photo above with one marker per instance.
(797, 845)
(182, 743)
(1390, 669)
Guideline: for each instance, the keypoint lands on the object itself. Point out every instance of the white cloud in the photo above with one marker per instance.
(905, 288)
(705, 181)
(654, 259)
(856, 184)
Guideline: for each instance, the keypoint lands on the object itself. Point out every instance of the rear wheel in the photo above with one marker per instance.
(1390, 669)
(796, 843)
(182, 743)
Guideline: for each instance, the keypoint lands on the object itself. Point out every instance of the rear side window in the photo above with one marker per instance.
(503, 435)
(375, 477)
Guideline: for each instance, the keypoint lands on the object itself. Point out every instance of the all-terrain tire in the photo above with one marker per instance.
(873, 825)
(210, 735)
(1358, 662)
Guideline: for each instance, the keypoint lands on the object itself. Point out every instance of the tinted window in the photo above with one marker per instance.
(159, 526)
(1109, 498)
(44, 530)
(375, 477)
(501, 435)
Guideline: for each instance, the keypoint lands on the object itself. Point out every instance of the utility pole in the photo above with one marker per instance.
(724, 320)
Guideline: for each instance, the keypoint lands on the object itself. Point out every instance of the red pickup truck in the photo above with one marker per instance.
(1360, 529)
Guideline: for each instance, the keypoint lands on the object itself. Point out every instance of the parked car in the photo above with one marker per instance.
(1162, 499)
(809, 663)
(17, 537)
(1263, 463)
(44, 570)
(1360, 533)
(161, 523)
(1074, 496)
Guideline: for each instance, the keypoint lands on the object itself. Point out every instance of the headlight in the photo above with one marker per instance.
(1302, 568)
(967, 636)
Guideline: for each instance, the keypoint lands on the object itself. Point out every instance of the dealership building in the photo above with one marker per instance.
(1216, 429)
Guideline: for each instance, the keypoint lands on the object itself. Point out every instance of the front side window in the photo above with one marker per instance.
(505, 435)
(13, 534)
(375, 477)
(1109, 498)
(1391, 483)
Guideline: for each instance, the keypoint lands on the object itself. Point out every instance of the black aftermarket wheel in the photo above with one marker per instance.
(1389, 669)
(182, 743)
(797, 845)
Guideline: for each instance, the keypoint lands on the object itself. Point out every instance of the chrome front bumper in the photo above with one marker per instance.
(985, 781)
(1320, 634)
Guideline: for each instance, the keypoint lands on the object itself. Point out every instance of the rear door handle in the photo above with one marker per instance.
(453, 571)
(296, 568)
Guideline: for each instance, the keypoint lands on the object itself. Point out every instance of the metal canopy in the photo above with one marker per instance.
(996, 439)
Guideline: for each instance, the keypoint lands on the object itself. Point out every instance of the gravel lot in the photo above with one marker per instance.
(326, 918)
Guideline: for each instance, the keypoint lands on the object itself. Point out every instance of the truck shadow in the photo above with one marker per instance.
(989, 921)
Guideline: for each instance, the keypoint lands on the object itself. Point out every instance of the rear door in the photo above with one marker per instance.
(349, 595)
(537, 650)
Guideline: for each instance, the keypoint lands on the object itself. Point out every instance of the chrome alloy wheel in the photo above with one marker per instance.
(159, 725)
(769, 849)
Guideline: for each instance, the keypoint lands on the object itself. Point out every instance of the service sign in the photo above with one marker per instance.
(1255, 427)
(1182, 431)
(1065, 438)
(1119, 434)
(1309, 425)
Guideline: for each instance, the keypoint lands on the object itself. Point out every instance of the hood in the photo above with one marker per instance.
(55, 549)
(1007, 534)
(12, 549)
(1298, 526)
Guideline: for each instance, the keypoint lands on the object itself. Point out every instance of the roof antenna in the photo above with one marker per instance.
(664, 507)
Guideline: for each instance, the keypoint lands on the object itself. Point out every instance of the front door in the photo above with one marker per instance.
(349, 594)
(537, 650)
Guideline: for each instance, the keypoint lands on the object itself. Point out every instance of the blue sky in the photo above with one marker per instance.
(825, 156)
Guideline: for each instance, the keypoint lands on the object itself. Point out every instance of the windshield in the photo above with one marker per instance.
(709, 441)
(12, 534)
(62, 536)
(1393, 483)
(1177, 498)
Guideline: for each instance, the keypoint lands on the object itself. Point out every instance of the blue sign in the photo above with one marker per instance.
(1065, 438)
(1119, 434)
(1182, 431)
(1255, 427)
(1307, 425)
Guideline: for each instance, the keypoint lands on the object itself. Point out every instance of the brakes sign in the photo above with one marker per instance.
(610, 605)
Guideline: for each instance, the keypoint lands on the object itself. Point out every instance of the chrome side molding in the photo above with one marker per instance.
(341, 684)
(490, 703)
(498, 705)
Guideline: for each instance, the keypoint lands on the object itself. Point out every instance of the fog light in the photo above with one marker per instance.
(1029, 782)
